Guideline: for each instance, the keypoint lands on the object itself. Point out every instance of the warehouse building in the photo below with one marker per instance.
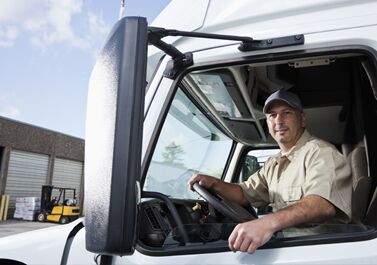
(31, 156)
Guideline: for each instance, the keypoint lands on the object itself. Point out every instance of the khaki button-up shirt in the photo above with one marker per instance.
(311, 167)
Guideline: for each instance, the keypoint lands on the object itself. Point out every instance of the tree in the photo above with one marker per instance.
(172, 154)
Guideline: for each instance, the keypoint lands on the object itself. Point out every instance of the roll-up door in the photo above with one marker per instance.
(27, 172)
(68, 174)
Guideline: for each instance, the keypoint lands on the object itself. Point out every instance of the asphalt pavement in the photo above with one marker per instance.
(11, 227)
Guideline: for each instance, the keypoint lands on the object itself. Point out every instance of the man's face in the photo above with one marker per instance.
(285, 124)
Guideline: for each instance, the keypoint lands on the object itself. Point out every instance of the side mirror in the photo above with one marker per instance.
(250, 166)
(114, 131)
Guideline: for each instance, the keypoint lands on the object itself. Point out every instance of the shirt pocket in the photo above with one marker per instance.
(292, 194)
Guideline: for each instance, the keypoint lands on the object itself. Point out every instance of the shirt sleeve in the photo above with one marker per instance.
(255, 188)
(328, 175)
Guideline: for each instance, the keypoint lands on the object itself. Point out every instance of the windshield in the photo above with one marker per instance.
(188, 143)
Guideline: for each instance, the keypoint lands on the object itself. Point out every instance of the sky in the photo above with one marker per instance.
(47, 51)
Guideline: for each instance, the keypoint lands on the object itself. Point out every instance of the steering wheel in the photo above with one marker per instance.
(230, 209)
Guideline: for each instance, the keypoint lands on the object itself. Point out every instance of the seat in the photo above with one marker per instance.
(361, 182)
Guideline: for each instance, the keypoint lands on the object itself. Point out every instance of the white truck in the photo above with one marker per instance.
(186, 96)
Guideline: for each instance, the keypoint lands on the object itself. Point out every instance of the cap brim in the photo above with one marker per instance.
(268, 105)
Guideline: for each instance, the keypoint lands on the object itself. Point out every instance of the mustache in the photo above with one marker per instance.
(280, 127)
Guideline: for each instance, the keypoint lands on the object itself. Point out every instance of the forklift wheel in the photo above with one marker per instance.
(64, 220)
(41, 217)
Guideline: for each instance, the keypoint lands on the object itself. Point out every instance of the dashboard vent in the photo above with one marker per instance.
(152, 218)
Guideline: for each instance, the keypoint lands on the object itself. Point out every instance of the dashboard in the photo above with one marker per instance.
(194, 221)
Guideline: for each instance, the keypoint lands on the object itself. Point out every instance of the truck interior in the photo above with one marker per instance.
(222, 105)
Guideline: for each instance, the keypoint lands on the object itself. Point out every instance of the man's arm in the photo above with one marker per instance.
(249, 236)
(227, 191)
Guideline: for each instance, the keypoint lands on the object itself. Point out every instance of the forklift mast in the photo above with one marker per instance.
(47, 193)
(46, 196)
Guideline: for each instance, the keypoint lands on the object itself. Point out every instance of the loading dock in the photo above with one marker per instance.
(32, 156)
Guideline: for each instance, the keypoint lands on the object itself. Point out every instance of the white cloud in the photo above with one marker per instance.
(97, 25)
(48, 22)
(97, 32)
(56, 26)
(10, 112)
(14, 10)
(8, 35)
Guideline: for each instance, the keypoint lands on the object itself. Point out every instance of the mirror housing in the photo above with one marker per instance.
(114, 129)
(250, 166)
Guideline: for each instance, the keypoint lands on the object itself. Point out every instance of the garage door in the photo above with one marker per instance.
(27, 172)
(67, 174)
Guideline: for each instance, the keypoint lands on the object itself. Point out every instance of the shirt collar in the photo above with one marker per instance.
(291, 153)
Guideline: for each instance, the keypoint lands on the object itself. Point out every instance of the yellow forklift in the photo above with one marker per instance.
(61, 208)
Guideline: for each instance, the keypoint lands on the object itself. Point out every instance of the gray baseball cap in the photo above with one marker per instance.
(281, 95)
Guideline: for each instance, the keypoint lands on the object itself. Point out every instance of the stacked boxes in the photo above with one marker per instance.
(27, 208)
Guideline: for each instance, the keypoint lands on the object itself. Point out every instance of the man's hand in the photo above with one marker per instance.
(205, 181)
(227, 191)
(249, 236)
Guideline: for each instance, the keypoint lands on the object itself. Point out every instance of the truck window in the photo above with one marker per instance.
(152, 64)
(253, 161)
(188, 143)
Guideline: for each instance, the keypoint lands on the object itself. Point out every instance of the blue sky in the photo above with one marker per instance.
(47, 51)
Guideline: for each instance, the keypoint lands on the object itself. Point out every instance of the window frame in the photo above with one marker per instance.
(277, 243)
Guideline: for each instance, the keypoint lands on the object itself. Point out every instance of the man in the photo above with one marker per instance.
(309, 181)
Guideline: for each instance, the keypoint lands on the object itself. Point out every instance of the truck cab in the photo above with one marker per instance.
(185, 95)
